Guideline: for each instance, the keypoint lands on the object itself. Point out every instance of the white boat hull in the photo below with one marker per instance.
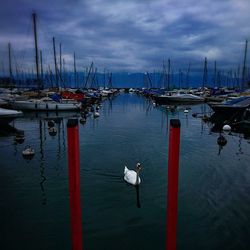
(44, 106)
(7, 115)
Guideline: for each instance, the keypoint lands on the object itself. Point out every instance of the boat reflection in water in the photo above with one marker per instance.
(221, 141)
(8, 115)
(8, 130)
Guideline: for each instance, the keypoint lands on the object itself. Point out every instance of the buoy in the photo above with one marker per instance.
(226, 127)
(221, 141)
(19, 138)
(83, 120)
(28, 152)
(96, 114)
(51, 123)
(52, 131)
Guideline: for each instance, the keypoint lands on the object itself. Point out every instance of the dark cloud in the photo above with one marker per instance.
(127, 35)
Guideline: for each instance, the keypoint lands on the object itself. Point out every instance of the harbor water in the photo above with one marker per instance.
(214, 182)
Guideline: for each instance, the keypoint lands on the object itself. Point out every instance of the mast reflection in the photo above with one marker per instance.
(42, 161)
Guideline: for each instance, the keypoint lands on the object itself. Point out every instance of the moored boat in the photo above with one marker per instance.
(3, 103)
(179, 97)
(229, 108)
(45, 104)
(7, 115)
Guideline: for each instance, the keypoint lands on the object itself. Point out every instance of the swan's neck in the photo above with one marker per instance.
(137, 177)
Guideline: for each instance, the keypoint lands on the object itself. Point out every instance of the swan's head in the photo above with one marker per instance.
(138, 167)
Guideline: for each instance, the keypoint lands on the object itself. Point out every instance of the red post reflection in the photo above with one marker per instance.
(74, 184)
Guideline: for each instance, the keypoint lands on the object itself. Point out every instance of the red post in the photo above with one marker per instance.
(173, 173)
(74, 184)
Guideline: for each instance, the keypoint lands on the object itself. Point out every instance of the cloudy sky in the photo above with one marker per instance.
(127, 35)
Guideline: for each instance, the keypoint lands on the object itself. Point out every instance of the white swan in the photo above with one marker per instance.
(131, 176)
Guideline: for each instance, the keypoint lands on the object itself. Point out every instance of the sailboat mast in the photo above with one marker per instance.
(94, 80)
(104, 78)
(60, 72)
(87, 78)
(41, 64)
(54, 49)
(163, 75)
(219, 78)
(244, 67)
(204, 81)
(110, 81)
(36, 47)
(187, 76)
(238, 76)
(75, 68)
(17, 73)
(149, 80)
(64, 73)
(10, 65)
(215, 73)
(168, 74)
(180, 76)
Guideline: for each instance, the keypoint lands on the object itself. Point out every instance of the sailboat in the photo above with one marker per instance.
(44, 103)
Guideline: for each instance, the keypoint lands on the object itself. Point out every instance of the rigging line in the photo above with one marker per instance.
(16, 60)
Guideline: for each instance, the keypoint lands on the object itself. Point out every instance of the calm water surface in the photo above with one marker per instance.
(214, 184)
